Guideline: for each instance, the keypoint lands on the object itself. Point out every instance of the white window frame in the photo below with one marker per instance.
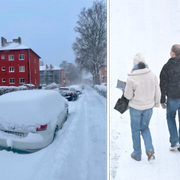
(3, 68)
(11, 79)
(20, 58)
(34, 60)
(21, 68)
(3, 79)
(20, 79)
(11, 69)
(2, 56)
(35, 71)
(11, 57)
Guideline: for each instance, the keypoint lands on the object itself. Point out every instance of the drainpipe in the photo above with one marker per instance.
(29, 68)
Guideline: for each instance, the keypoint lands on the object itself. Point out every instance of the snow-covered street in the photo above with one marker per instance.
(78, 152)
(151, 28)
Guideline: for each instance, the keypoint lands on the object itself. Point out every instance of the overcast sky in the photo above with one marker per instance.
(46, 26)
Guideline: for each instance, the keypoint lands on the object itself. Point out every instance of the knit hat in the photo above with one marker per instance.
(138, 58)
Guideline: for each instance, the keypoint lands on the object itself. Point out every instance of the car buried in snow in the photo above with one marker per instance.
(69, 93)
(77, 88)
(30, 119)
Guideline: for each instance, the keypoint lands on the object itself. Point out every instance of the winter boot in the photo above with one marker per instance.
(150, 155)
(135, 158)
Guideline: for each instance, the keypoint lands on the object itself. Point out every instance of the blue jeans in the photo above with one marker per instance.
(139, 124)
(172, 106)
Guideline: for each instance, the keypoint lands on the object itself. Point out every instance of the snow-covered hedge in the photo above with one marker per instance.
(101, 89)
(6, 89)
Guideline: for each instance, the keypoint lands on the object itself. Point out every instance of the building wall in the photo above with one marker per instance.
(34, 77)
(103, 74)
(49, 76)
(16, 63)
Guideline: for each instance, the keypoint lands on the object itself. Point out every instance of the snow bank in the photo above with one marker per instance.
(101, 89)
(30, 107)
(51, 86)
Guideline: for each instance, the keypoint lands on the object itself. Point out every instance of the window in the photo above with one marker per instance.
(35, 71)
(105, 74)
(11, 57)
(2, 56)
(34, 60)
(3, 80)
(11, 81)
(21, 57)
(22, 80)
(11, 69)
(105, 68)
(21, 69)
(3, 68)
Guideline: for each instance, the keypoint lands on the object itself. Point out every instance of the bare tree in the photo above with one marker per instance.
(90, 46)
(71, 72)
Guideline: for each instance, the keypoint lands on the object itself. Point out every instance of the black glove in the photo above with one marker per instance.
(163, 105)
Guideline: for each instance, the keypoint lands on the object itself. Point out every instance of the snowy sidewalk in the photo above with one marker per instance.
(167, 163)
(78, 152)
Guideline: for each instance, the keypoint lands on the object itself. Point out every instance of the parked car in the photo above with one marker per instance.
(69, 93)
(77, 88)
(30, 119)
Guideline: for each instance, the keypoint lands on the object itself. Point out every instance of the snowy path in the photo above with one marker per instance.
(78, 152)
(149, 27)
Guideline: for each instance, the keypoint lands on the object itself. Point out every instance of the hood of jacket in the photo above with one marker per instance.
(139, 72)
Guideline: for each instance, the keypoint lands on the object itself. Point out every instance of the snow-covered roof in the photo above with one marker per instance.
(43, 68)
(13, 46)
(30, 107)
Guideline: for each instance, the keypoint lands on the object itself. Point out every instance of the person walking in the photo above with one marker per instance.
(170, 94)
(143, 92)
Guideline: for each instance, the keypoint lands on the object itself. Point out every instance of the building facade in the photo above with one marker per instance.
(103, 73)
(19, 64)
(50, 74)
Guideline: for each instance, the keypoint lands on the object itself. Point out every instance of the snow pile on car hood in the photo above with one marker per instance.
(30, 107)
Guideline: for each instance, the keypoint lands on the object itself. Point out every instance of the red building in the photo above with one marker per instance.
(103, 73)
(19, 64)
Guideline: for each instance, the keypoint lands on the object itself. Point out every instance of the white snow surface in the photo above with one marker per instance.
(78, 152)
(30, 107)
(151, 28)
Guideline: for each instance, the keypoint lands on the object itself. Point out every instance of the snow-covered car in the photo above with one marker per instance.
(30, 119)
(77, 88)
(69, 93)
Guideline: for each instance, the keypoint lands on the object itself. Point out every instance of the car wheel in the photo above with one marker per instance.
(55, 132)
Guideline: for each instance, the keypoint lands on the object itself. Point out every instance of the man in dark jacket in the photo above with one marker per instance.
(170, 87)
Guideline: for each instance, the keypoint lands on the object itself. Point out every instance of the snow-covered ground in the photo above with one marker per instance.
(78, 152)
(150, 27)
